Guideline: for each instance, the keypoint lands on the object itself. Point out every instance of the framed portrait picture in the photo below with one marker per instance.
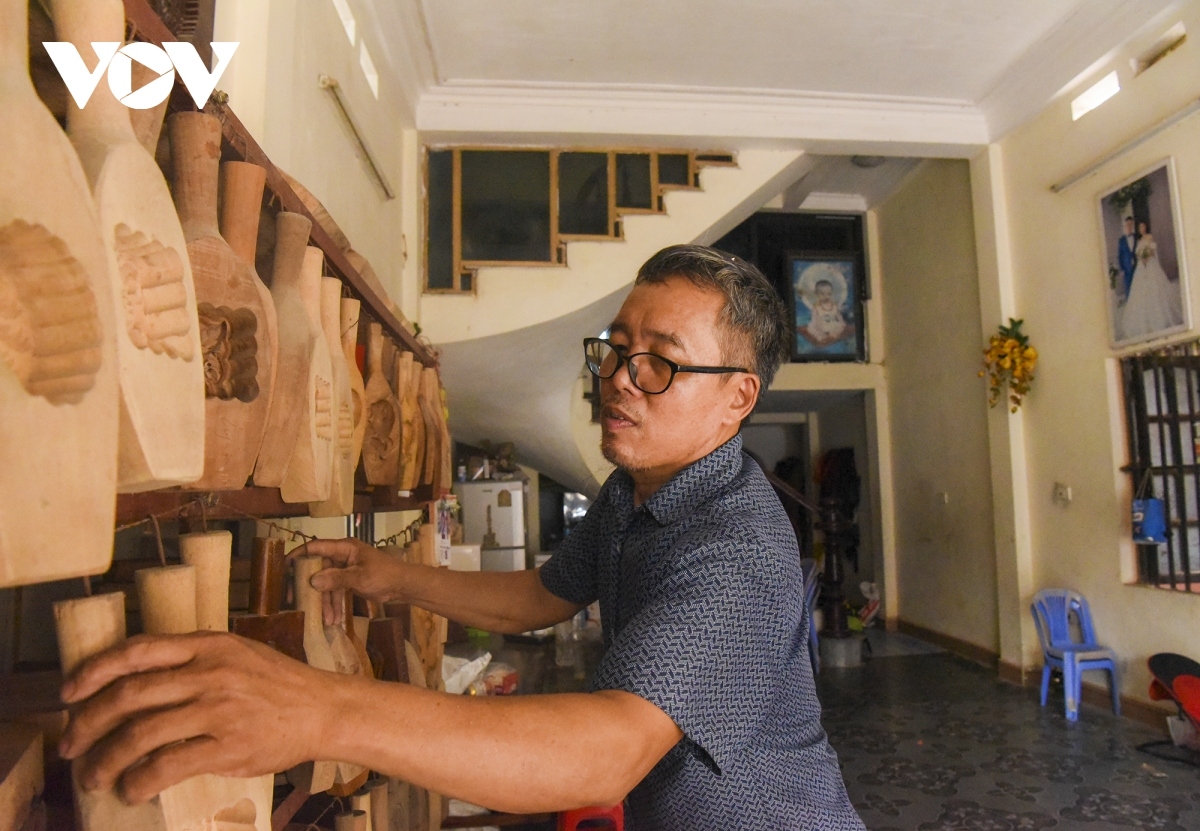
(827, 306)
(1144, 266)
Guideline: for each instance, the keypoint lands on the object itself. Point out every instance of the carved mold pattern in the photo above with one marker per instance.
(153, 294)
(357, 407)
(381, 418)
(50, 331)
(324, 424)
(230, 352)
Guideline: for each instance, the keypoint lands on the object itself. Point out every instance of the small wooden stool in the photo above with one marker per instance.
(611, 817)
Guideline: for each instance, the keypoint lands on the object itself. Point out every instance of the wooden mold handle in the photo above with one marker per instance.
(310, 282)
(87, 626)
(267, 567)
(378, 790)
(167, 599)
(374, 348)
(308, 599)
(350, 313)
(196, 159)
(291, 239)
(147, 124)
(210, 554)
(331, 312)
(82, 24)
(427, 544)
(351, 821)
(242, 186)
(404, 366)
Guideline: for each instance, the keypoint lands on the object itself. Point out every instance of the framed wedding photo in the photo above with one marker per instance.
(1144, 265)
(826, 300)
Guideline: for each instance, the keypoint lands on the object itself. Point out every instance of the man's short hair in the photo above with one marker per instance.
(756, 333)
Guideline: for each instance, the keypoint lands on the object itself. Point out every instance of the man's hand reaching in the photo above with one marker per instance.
(369, 572)
(157, 710)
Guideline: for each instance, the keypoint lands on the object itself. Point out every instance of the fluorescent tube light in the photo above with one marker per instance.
(1095, 95)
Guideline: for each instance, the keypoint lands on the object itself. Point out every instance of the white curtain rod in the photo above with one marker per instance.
(1169, 121)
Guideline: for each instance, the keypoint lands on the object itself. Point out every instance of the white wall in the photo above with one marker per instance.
(1049, 268)
(272, 85)
(773, 442)
(944, 534)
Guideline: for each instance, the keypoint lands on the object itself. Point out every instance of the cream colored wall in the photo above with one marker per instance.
(946, 578)
(1071, 425)
(272, 85)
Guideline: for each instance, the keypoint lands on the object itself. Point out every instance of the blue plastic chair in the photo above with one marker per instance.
(812, 589)
(1052, 610)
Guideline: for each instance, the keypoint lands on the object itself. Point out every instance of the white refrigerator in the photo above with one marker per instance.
(503, 503)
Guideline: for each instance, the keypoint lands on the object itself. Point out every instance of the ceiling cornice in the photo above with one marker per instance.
(479, 107)
(408, 58)
(1081, 41)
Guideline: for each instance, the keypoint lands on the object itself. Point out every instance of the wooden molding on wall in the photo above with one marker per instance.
(1094, 695)
(972, 652)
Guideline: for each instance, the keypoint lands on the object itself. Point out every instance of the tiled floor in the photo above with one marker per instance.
(934, 743)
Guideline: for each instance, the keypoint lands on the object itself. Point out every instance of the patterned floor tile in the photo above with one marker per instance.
(934, 743)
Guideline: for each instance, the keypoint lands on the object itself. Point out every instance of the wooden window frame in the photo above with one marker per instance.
(461, 268)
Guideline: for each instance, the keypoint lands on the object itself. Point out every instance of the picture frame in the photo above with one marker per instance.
(825, 299)
(1145, 270)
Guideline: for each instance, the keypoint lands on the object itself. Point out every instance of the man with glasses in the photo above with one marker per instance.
(703, 713)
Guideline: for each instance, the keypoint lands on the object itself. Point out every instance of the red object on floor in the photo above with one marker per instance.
(610, 817)
(1187, 693)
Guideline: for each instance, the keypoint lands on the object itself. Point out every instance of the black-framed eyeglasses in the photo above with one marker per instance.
(650, 373)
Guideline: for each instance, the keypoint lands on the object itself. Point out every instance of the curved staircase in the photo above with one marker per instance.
(512, 359)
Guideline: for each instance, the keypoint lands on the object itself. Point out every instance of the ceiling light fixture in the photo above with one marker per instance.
(1095, 95)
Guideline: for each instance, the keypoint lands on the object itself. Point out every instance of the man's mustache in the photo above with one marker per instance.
(614, 408)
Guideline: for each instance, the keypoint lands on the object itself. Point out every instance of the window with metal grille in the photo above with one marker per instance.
(1162, 417)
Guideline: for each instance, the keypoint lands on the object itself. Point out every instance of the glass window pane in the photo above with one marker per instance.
(673, 169)
(634, 189)
(583, 193)
(441, 219)
(506, 206)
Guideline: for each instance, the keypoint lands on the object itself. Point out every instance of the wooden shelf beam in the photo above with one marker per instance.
(257, 503)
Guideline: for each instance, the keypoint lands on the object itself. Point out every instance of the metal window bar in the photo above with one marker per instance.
(1162, 409)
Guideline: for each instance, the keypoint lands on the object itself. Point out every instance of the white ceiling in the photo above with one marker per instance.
(945, 49)
(898, 77)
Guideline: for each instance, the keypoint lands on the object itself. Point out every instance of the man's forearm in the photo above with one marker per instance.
(505, 602)
(516, 754)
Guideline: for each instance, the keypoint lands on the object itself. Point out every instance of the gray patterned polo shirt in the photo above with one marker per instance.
(702, 603)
